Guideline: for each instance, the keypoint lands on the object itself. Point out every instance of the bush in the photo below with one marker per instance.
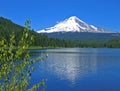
(15, 63)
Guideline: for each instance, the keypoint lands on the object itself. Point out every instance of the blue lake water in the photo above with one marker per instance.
(78, 69)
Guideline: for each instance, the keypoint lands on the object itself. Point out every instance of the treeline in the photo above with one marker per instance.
(114, 43)
(7, 27)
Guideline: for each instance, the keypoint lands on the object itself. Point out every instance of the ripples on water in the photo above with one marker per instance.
(79, 69)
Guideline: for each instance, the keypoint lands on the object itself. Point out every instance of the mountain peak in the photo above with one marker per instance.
(73, 24)
(74, 18)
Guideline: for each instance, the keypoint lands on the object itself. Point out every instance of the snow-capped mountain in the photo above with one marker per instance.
(73, 24)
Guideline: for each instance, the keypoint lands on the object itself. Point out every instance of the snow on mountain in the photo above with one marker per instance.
(73, 24)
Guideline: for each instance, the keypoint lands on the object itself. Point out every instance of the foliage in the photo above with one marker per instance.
(16, 64)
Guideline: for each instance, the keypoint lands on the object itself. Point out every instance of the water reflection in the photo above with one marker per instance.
(70, 66)
(79, 69)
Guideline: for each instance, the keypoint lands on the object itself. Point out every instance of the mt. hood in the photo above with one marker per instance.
(73, 24)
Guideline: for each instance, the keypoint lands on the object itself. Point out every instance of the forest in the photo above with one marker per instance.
(42, 41)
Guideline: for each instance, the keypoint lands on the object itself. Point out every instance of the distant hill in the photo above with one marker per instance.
(84, 36)
(7, 27)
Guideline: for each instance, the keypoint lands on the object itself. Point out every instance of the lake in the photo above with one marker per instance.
(78, 69)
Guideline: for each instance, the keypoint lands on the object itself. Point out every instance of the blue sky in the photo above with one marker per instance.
(45, 13)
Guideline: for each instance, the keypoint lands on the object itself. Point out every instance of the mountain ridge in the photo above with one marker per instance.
(74, 24)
